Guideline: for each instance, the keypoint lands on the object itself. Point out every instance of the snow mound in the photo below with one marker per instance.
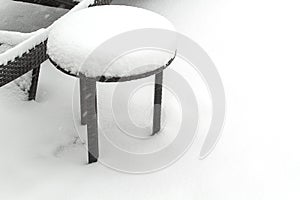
(75, 37)
(9, 39)
(5, 47)
(14, 38)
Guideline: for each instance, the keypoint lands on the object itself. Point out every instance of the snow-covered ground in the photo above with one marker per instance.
(255, 45)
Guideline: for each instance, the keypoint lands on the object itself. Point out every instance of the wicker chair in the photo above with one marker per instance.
(35, 56)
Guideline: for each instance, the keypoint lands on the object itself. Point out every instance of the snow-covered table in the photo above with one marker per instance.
(74, 47)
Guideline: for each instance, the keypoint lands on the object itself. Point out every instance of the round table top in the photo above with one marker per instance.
(112, 43)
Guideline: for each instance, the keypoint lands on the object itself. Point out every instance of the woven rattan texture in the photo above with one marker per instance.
(22, 64)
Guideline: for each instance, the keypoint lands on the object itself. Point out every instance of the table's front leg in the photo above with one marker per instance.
(157, 103)
(82, 87)
(92, 120)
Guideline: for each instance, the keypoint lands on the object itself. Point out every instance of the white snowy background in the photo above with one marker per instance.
(255, 45)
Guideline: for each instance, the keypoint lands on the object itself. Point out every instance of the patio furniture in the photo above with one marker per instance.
(74, 38)
(30, 52)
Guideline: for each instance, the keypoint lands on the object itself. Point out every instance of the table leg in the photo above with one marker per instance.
(83, 111)
(157, 103)
(92, 120)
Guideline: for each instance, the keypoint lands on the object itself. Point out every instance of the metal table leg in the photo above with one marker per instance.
(157, 103)
(83, 111)
(92, 120)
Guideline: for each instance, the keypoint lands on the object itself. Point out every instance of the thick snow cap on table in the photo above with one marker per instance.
(74, 40)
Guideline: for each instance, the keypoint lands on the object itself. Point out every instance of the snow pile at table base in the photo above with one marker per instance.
(74, 38)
